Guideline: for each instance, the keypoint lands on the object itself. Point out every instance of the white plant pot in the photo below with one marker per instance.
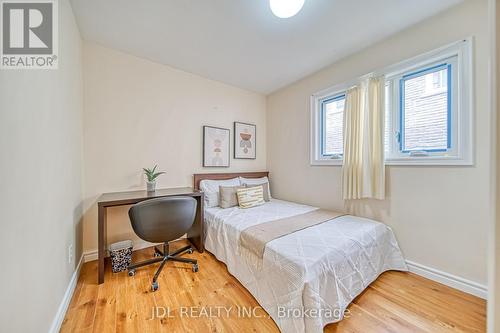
(151, 186)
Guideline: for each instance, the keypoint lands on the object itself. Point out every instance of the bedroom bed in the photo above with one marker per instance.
(306, 278)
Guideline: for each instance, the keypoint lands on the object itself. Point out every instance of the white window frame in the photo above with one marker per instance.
(462, 109)
(317, 157)
(459, 55)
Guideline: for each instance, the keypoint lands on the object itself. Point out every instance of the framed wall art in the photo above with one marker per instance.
(245, 140)
(216, 146)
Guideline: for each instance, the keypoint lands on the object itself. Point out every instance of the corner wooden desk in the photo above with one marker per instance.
(195, 235)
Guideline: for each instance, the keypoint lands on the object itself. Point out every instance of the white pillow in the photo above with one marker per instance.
(256, 181)
(211, 189)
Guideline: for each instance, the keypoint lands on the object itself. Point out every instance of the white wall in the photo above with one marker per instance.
(493, 314)
(40, 184)
(440, 215)
(139, 113)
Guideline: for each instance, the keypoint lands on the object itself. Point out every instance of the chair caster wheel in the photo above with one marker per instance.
(195, 268)
(154, 286)
(190, 251)
(131, 272)
(157, 255)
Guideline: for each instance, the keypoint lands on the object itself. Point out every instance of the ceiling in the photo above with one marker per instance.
(240, 42)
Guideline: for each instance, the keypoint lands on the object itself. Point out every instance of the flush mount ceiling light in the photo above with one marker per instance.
(286, 8)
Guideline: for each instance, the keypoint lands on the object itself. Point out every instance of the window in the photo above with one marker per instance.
(327, 135)
(332, 126)
(428, 111)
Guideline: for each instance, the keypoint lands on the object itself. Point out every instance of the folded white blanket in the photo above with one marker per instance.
(255, 238)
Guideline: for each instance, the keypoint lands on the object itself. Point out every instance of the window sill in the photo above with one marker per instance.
(405, 162)
(327, 162)
(429, 161)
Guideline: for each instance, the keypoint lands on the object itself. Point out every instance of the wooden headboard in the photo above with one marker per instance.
(198, 177)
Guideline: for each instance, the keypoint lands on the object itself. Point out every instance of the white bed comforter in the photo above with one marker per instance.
(308, 278)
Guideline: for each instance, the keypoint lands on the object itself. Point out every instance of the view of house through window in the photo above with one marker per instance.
(333, 126)
(425, 110)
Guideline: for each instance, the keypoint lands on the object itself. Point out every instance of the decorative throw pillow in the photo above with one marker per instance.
(227, 196)
(250, 196)
(211, 189)
(257, 181)
(265, 190)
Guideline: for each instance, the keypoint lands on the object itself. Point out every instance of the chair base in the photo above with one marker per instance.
(163, 257)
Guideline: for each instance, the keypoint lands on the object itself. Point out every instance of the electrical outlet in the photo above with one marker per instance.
(70, 253)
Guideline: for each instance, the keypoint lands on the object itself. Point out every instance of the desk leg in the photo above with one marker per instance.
(197, 234)
(101, 235)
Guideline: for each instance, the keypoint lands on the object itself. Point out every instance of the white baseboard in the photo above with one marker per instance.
(450, 280)
(138, 245)
(63, 307)
(89, 256)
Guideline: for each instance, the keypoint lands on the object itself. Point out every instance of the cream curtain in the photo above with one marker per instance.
(363, 169)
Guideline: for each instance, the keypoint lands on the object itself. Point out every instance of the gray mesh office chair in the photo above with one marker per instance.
(163, 220)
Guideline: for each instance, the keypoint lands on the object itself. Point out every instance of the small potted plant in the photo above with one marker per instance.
(151, 175)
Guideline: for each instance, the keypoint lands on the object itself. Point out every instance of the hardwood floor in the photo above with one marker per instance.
(396, 302)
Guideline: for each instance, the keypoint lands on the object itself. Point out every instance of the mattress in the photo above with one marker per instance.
(305, 279)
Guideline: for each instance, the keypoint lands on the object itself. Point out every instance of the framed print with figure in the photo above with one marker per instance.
(215, 146)
(245, 140)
